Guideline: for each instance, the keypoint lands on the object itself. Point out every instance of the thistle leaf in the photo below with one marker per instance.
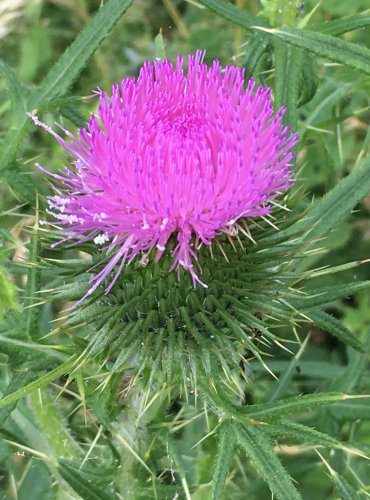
(329, 323)
(70, 64)
(302, 433)
(288, 68)
(237, 16)
(58, 81)
(259, 450)
(331, 208)
(347, 53)
(321, 296)
(340, 26)
(224, 457)
(39, 382)
(254, 51)
(288, 406)
(83, 483)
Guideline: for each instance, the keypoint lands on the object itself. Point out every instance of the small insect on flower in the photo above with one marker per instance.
(174, 153)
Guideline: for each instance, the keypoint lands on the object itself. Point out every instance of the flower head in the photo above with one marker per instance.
(172, 153)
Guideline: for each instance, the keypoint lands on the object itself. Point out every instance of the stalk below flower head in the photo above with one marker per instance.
(186, 153)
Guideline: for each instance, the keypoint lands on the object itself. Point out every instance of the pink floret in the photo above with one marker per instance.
(173, 152)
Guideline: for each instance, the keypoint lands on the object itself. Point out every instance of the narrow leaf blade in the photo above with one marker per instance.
(259, 450)
(330, 324)
(223, 460)
(237, 16)
(68, 67)
(342, 25)
(331, 208)
(343, 52)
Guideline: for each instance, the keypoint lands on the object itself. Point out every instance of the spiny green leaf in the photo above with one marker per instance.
(344, 489)
(329, 323)
(339, 26)
(356, 409)
(32, 310)
(18, 93)
(259, 450)
(237, 16)
(302, 433)
(82, 483)
(256, 47)
(22, 185)
(223, 460)
(68, 67)
(321, 296)
(347, 53)
(274, 410)
(73, 115)
(309, 78)
(288, 66)
(355, 370)
(47, 417)
(331, 208)
(40, 382)
(289, 406)
(60, 78)
(313, 369)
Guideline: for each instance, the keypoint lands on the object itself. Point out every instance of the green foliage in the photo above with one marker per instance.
(159, 390)
(68, 67)
(352, 55)
(226, 448)
(258, 448)
(7, 293)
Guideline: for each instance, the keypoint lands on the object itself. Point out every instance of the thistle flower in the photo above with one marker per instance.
(184, 154)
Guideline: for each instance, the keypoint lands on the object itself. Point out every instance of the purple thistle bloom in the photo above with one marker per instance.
(171, 153)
